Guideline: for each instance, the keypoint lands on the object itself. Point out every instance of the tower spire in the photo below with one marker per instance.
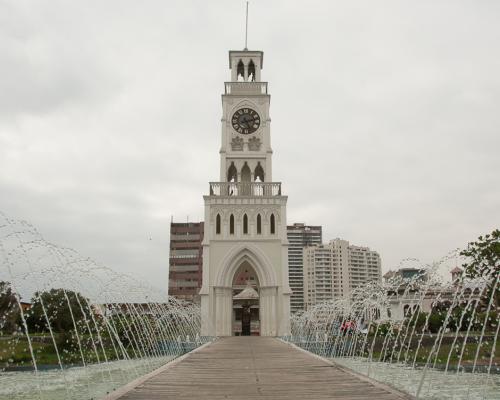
(246, 29)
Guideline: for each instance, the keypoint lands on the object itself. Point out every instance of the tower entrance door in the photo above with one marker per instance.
(246, 310)
(246, 319)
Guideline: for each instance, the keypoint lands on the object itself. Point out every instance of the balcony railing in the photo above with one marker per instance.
(246, 87)
(245, 188)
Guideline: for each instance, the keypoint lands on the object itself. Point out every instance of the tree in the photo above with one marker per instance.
(436, 321)
(9, 310)
(57, 307)
(483, 261)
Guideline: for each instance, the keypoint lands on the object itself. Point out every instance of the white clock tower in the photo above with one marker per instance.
(245, 287)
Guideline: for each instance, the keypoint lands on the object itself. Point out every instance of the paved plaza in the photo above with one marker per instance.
(258, 368)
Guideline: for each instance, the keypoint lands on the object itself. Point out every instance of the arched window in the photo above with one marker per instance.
(245, 173)
(259, 172)
(240, 71)
(245, 224)
(232, 173)
(217, 224)
(406, 310)
(273, 225)
(232, 176)
(245, 177)
(259, 224)
(231, 224)
(251, 71)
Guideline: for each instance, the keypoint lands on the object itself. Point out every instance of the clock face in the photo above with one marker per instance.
(245, 121)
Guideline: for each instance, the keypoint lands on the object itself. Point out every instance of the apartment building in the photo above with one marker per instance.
(186, 260)
(299, 236)
(333, 270)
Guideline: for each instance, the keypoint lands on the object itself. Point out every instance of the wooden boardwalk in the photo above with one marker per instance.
(258, 368)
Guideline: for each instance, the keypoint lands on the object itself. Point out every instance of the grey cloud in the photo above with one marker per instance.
(384, 119)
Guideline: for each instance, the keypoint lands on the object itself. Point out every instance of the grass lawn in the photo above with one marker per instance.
(14, 351)
(468, 353)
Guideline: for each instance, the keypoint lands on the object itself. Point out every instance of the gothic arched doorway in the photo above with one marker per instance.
(246, 315)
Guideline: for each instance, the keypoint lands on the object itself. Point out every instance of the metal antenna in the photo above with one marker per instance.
(246, 29)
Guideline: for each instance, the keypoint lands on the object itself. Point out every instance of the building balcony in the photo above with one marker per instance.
(246, 88)
(245, 189)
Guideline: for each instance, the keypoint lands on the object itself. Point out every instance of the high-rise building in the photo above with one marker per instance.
(186, 260)
(299, 236)
(332, 271)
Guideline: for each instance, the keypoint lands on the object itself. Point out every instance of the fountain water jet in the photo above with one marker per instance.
(412, 333)
(98, 328)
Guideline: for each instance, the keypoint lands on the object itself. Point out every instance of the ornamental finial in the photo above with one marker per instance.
(246, 29)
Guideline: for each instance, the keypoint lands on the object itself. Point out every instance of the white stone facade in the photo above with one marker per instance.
(245, 212)
(333, 270)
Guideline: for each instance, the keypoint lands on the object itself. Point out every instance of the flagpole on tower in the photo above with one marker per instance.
(246, 29)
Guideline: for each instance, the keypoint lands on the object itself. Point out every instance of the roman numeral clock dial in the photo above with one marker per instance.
(245, 121)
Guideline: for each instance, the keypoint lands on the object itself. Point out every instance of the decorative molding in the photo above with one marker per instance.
(255, 256)
(237, 144)
(238, 210)
(254, 143)
(246, 103)
(217, 210)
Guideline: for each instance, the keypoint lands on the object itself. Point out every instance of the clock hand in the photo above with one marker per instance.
(246, 121)
(249, 121)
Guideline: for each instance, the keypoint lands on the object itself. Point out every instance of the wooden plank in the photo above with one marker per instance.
(246, 368)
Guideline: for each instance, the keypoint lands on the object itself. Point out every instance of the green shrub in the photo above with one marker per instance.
(436, 321)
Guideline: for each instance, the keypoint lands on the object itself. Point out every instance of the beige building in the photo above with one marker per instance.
(333, 270)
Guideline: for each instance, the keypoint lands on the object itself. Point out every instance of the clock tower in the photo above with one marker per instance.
(245, 287)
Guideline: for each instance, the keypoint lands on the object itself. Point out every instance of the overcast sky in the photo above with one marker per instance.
(385, 119)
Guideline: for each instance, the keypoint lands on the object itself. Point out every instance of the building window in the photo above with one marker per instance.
(259, 224)
(273, 225)
(217, 224)
(245, 224)
(231, 225)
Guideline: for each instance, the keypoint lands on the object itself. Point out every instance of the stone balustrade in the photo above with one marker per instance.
(245, 189)
(246, 88)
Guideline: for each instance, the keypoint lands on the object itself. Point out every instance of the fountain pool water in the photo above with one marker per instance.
(439, 384)
(91, 382)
